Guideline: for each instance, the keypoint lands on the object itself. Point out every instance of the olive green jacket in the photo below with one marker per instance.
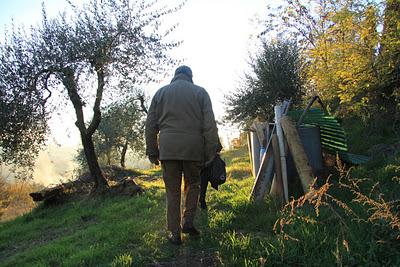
(180, 123)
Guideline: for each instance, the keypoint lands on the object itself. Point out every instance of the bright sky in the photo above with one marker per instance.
(216, 34)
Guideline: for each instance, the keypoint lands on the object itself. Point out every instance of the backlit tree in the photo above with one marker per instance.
(85, 55)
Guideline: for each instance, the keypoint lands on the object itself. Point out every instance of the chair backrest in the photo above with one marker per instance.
(333, 136)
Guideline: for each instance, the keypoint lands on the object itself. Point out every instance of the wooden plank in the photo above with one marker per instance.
(282, 152)
(297, 151)
(277, 183)
(250, 153)
(259, 128)
(264, 176)
(255, 151)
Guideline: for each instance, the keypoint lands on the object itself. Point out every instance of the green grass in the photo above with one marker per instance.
(130, 231)
(361, 137)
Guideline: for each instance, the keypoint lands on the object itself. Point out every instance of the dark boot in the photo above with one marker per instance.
(203, 204)
(203, 191)
(190, 230)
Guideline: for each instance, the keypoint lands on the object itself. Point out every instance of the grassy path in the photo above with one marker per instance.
(130, 231)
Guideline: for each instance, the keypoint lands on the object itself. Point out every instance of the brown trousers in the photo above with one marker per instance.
(172, 176)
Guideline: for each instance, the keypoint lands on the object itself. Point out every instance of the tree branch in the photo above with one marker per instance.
(96, 108)
(68, 80)
(140, 97)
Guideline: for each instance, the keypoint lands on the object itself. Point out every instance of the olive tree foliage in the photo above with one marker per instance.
(23, 115)
(84, 54)
(275, 75)
(121, 128)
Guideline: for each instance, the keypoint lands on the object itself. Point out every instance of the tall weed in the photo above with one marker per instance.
(345, 221)
(14, 198)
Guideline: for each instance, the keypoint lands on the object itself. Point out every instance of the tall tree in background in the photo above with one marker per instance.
(342, 62)
(389, 63)
(84, 55)
(353, 66)
(276, 74)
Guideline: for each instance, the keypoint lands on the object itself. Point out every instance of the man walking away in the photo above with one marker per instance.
(182, 117)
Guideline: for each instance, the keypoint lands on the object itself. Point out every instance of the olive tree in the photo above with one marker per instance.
(121, 128)
(275, 74)
(84, 55)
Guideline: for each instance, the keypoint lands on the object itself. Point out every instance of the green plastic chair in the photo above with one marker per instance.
(333, 136)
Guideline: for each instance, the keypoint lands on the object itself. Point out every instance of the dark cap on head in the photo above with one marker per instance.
(185, 70)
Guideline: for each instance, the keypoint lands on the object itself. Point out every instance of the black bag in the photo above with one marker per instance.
(217, 172)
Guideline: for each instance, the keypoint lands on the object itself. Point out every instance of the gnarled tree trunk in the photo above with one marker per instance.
(123, 154)
(100, 183)
(93, 164)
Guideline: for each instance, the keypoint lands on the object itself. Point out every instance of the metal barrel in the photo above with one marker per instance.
(311, 139)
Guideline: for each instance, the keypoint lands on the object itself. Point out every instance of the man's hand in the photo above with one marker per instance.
(154, 160)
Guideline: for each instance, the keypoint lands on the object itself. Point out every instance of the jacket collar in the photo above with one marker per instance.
(182, 76)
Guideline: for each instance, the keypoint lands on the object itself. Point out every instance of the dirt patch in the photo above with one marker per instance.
(121, 182)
